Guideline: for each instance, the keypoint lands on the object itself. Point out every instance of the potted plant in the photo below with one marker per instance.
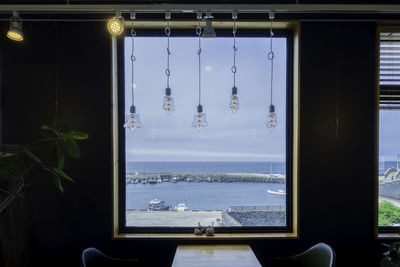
(19, 166)
(391, 258)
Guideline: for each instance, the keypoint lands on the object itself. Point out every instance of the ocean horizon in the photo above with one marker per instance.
(268, 167)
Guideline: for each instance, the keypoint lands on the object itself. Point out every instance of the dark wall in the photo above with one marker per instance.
(336, 193)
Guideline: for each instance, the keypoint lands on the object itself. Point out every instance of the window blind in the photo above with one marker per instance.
(389, 69)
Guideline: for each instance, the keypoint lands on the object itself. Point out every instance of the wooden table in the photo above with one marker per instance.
(215, 255)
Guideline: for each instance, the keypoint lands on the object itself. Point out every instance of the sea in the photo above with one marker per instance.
(203, 195)
(207, 167)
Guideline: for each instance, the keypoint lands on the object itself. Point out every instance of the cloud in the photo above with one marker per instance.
(208, 68)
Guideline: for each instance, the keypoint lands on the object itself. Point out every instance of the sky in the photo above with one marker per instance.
(229, 137)
(389, 145)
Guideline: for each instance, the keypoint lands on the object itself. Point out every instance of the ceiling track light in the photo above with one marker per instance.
(115, 25)
(15, 32)
(208, 31)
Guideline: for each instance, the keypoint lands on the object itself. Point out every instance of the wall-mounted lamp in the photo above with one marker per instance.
(208, 31)
(116, 25)
(15, 32)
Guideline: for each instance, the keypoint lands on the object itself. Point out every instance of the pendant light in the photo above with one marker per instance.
(200, 120)
(234, 103)
(133, 120)
(168, 103)
(272, 119)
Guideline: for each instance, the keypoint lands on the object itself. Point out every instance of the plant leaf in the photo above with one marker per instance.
(57, 182)
(78, 135)
(31, 155)
(61, 126)
(61, 173)
(72, 148)
(59, 156)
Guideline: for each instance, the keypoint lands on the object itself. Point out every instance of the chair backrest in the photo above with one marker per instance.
(92, 257)
(319, 255)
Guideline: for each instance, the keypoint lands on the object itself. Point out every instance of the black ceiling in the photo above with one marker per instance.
(71, 2)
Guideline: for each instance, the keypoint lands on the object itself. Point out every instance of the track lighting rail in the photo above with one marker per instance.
(214, 8)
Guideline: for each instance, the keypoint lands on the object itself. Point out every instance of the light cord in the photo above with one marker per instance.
(234, 69)
(133, 59)
(271, 56)
(198, 32)
(168, 71)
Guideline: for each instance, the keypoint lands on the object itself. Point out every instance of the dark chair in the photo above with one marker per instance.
(92, 257)
(319, 255)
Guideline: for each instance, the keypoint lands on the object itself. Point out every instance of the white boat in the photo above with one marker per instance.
(276, 192)
(181, 207)
(157, 205)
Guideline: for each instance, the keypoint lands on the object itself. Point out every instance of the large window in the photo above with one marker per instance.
(389, 120)
(235, 174)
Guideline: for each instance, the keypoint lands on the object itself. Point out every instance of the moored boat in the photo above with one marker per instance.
(181, 207)
(157, 205)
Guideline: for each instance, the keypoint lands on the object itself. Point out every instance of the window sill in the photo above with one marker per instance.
(383, 236)
(119, 236)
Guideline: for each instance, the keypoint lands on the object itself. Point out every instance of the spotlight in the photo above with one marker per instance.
(116, 25)
(208, 31)
(15, 31)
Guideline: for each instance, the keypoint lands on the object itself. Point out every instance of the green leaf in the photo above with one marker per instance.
(61, 173)
(31, 155)
(47, 128)
(57, 182)
(61, 126)
(58, 155)
(72, 148)
(77, 135)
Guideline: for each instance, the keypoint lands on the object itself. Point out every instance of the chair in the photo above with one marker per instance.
(92, 257)
(319, 255)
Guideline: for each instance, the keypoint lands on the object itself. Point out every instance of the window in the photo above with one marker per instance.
(389, 119)
(234, 174)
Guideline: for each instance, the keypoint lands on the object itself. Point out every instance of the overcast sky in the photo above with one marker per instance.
(389, 145)
(229, 137)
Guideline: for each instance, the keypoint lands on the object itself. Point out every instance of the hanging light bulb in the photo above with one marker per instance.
(115, 25)
(15, 32)
(272, 120)
(199, 120)
(132, 120)
(234, 102)
(168, 103)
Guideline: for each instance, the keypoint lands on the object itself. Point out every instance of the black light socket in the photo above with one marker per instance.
(168, 91)
(200, 109)
(234, 90)
(271, 108)
(133, 109)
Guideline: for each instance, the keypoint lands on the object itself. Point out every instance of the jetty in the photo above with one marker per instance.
(205, 177)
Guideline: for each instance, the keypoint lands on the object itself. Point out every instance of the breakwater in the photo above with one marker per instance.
(133, 178)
